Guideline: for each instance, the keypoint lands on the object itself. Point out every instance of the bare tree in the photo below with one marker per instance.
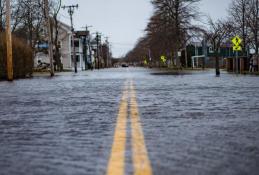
(2, 13)
(29, 20)
(239, 15)
(253, 21)
(217, 34)
(179, 14)
(169, 29)
(55, 6)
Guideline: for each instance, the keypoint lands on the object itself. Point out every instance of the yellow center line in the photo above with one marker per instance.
(141, 163)
(117, 158)
(140, 158)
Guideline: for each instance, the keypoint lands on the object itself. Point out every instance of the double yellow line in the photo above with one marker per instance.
(141, 163)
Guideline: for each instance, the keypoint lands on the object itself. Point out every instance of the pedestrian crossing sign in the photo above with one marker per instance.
(236, 40)
(237, 48)
(163, 59)
(236, 43)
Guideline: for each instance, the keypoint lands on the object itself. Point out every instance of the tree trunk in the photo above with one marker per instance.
(57, 51)
(178, 38)
(217, 63)
(256, 28)
(1, 16)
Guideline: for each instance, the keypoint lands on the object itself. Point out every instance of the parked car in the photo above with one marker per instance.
(124, 65)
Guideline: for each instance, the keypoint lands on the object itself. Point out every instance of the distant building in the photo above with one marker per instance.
(66, 50)
(66, 47)
(198, 54)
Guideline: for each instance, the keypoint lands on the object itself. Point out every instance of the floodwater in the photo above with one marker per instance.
(193, 124)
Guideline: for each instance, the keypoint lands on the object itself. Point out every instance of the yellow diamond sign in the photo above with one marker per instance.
(163, 59)
(237, 48)
(237, 41)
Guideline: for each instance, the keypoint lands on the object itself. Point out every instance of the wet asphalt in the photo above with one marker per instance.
(195, 124)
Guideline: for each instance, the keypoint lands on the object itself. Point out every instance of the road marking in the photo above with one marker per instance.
(117, 158)
(140, 158)
(141, 163)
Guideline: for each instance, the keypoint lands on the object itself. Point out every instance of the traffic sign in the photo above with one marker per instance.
(236, 40)
(145, 62)
(237, 48)
(163, 59)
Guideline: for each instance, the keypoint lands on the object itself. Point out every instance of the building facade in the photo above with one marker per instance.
(66, 49)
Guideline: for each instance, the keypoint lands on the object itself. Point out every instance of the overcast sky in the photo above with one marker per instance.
(124, 21)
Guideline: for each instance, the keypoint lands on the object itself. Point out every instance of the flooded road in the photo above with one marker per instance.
(191, 124)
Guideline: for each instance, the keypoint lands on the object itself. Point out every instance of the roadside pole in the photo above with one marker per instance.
(107, 52)
(71, 12)
(90, 51)
(236, 47)
(97, 50)
(85, 52)
(100, 51)
(237, 62)
(9, 42)
(46, 4)
(86, 46)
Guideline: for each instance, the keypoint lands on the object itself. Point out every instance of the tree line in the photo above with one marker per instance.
(29, 27)
(176, 23)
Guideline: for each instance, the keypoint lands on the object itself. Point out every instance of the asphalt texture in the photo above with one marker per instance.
(193, 123)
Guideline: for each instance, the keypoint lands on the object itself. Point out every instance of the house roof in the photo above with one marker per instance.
(64, 26)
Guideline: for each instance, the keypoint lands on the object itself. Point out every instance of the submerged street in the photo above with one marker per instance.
(130, 120)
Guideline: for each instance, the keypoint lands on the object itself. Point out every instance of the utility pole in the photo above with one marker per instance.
(101, 50)
(86, 45)
(71, 9)
(90, 51)
(107, 52)
(9, 42)
(97, 50)
(85, 49)
(47, 19)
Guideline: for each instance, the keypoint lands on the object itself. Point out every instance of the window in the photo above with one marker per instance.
(211, 50)
(77, 58)
(60, 44)
(76, 43)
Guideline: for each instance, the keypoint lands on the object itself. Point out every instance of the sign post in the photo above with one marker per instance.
(145, 62)
(163, 59)
(237, 48)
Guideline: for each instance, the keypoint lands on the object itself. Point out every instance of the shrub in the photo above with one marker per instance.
(22, 58)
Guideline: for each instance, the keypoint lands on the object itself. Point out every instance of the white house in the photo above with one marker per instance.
(66, 50)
